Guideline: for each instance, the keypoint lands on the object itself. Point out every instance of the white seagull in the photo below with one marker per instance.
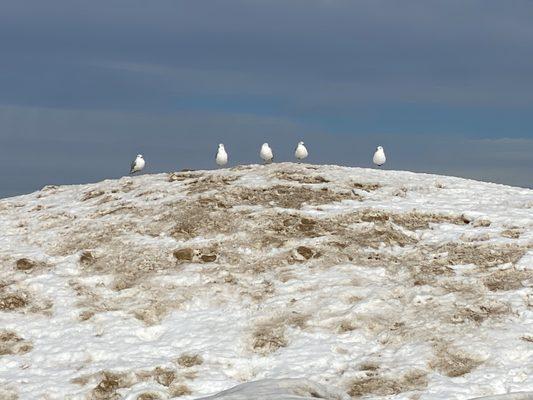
(379, 157)
(138, 164)
(266, 153)
(222, 157)
(301, 152)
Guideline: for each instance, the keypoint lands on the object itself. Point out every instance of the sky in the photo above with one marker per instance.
(445, 86)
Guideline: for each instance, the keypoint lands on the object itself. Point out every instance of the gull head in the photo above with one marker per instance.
(379, 148)
(139, 156)
(265, 145)
(220, 146)
(300, 143)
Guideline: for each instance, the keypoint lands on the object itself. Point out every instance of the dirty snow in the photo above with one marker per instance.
(366, 283)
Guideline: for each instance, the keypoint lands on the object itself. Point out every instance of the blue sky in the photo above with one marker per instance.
(445, 86)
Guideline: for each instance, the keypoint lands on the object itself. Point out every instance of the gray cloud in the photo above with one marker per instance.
(473, 54)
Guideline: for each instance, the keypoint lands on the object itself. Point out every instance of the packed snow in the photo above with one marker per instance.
(285, 281)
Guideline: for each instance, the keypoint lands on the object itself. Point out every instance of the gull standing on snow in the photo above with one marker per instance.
(266, 153)
(222, 157)
(379, 157)
(301, 152)
(138, 164)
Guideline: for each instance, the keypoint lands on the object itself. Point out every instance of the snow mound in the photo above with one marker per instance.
(383, 284)
(280, 389)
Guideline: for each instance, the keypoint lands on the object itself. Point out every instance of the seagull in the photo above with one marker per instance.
(222, 157)
(138, 164)
(266, 153)
(379, 157)
(300, 152)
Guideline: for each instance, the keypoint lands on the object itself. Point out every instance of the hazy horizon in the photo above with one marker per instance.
(445, 86)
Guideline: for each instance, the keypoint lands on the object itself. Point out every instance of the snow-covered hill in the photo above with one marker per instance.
(373, 284)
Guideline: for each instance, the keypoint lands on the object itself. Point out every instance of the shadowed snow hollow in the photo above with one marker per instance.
(382, 284)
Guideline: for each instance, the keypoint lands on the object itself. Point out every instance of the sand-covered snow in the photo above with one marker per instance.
(367, 283)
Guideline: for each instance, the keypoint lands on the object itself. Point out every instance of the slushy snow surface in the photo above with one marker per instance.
(337, 282)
